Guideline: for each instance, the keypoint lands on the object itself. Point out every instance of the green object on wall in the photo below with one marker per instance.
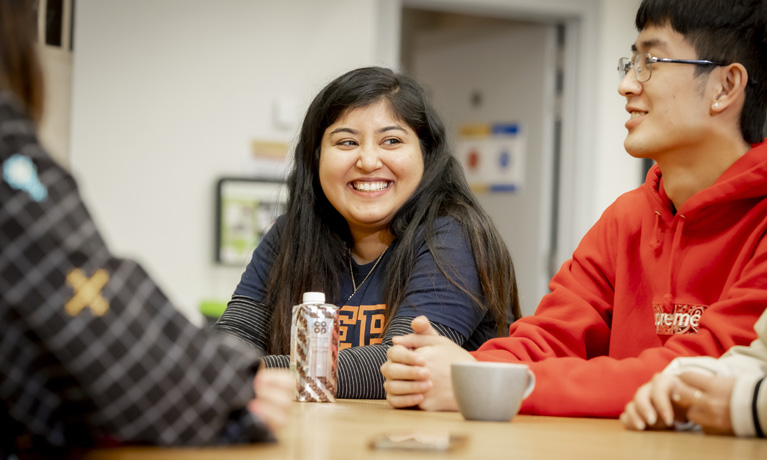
(212, 308)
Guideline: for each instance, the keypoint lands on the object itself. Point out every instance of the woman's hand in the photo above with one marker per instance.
(706, 399)
(275, 393)
(417, 370)
(652, 406)
(692, 396)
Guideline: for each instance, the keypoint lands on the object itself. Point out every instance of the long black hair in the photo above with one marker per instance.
(314, 244)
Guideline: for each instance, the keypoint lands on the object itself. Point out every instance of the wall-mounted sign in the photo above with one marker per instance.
(246, 209)
(268, 159)
(493, 156)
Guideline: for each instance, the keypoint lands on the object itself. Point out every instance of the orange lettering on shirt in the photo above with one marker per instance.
(368, 318)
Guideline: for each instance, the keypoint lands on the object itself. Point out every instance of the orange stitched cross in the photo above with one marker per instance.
(87, 292)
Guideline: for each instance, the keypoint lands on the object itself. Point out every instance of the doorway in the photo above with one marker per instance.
(491, 71)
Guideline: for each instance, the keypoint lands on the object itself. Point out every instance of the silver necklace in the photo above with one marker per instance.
(351, 272)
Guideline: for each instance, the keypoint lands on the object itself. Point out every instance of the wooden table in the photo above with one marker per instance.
(343, 431)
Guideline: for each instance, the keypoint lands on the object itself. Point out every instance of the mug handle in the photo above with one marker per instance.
(530, 384)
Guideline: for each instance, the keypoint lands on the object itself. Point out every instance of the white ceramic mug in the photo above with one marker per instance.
(491, 391)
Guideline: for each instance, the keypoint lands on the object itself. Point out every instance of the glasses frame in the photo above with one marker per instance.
(625, 65)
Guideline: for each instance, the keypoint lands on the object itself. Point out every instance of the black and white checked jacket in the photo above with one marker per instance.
(91, 350)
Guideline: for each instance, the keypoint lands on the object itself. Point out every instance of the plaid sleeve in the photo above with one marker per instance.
(92, 351)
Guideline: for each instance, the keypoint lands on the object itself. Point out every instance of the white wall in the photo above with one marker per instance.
(168, 94)
(615, 171)
(54, 128)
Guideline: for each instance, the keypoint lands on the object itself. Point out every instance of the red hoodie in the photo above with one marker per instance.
(644, 286)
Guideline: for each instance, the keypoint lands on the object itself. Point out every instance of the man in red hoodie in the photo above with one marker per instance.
(677, 267)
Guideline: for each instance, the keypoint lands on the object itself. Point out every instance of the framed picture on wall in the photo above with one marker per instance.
(246, 208)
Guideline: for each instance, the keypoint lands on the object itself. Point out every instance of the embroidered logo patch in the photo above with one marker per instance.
(21, 174)
(683, 319)
(87, 292)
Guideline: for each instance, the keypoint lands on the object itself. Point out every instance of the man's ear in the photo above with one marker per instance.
(730, 88)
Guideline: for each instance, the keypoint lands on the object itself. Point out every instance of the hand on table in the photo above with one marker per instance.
(652, 407)
(706, 398)
(692, 396)
(275, 393)
(417, 370)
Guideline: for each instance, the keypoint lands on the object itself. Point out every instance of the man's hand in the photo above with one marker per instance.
(706, 399)
(275, 393)
(417, 371)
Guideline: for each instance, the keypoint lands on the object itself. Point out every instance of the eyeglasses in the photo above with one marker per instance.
(642, 64)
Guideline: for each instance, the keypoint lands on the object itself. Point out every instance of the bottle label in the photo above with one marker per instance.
(314, 351)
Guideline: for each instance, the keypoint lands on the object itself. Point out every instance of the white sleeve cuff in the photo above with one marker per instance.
(748, 409)
(703, 364)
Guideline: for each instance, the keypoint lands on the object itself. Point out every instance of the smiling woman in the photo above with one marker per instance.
(370, 164)
(381, 219)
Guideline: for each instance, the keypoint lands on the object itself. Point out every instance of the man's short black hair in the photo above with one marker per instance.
(722, 31)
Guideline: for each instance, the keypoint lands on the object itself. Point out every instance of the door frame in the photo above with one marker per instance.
(578, 133)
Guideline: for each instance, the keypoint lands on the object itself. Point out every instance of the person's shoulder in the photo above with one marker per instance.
(281, 221)
(15, 127)
(10, 106)
(20, 150)
(629, 203)
(276, 229)
(447, 223)
(440, 228)
(449, 231)
(443, 226)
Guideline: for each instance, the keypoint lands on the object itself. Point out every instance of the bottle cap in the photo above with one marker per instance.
(314, 297)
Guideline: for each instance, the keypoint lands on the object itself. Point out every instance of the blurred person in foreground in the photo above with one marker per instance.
(676, 267)
(92, 353)
(722, 396)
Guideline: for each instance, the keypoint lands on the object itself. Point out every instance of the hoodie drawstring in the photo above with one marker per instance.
(655, 243)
